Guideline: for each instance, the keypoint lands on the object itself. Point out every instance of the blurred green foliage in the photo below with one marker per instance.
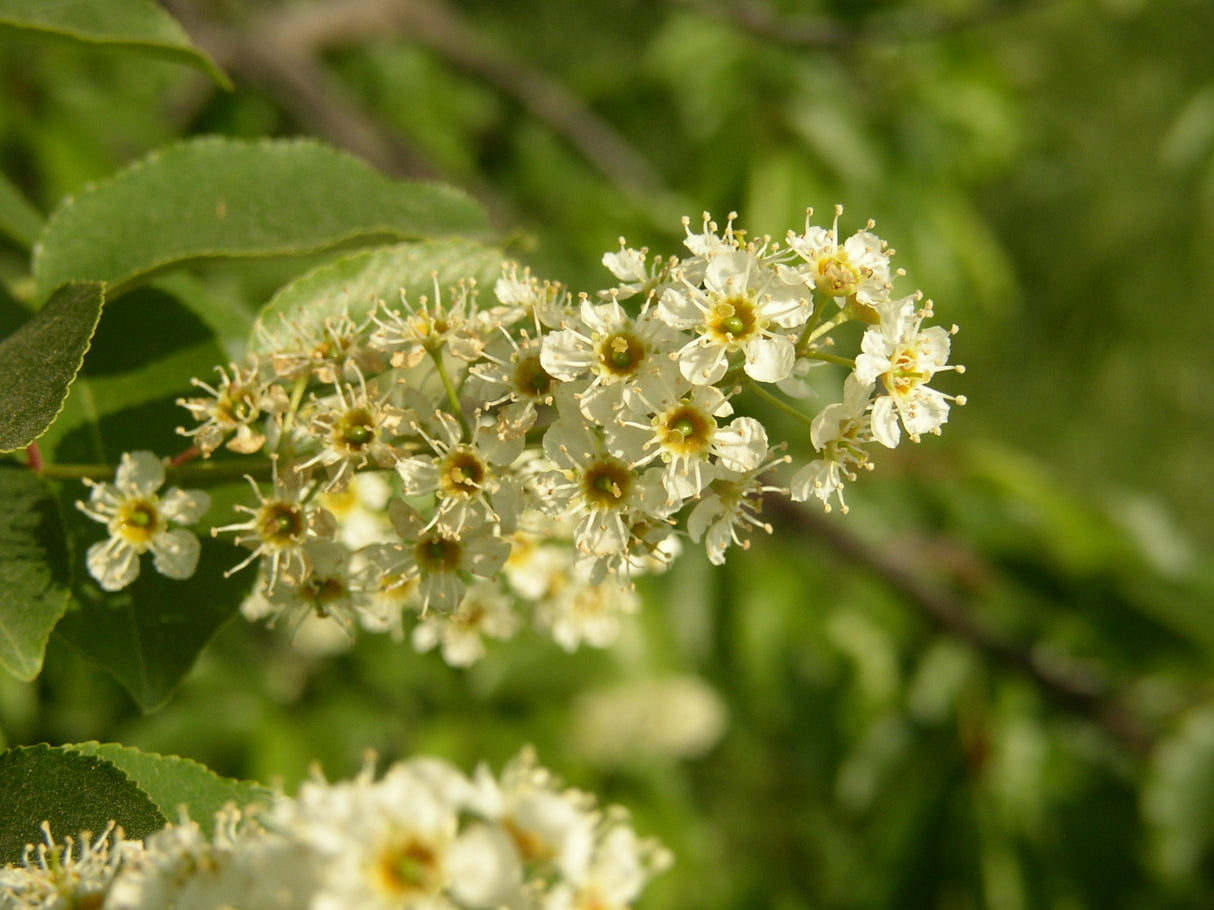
(1046, 173)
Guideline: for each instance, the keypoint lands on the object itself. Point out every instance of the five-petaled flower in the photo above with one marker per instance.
(138, 520)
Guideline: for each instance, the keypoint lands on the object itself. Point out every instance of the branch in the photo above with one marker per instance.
(289, 41)
(759, 20)
(1077, 689)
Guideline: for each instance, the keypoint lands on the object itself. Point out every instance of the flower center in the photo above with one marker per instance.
(621, 354)
(836, 276)
(438, 555)
(357, 430)
(733, 319)
(463, 473)
(687, 430)
(282, 524)
(606, 483)
(531, 379)
(139, 522)
(409, 867)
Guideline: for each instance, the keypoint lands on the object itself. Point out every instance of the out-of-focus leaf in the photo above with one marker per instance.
(136, 25)
(171, 782)
(18, 219)
(73, 792)
(34, 566)
(39, 361)
(353, 285)
(1178, 798)
(217, 198)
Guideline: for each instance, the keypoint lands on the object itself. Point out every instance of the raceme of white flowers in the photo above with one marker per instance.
(459, 457)
(424, 835)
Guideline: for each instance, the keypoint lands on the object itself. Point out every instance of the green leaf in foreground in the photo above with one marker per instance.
(74, 792)
(39, 361)
(217, 198)
(172, 782)
(138, 25)
(353, 285)
(34, 566)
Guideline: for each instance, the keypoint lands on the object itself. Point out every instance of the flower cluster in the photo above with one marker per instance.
(457, 455)
(423, 836)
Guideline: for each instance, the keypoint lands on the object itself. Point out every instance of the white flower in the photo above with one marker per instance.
(685, 434)
(279, 528)
(730, 503)
(235, 405)
(624, 358)
(76, 873)
(840, 432)
(741, 308)
(905, 357)
(138, 520)
(485, 610)
(856, 270)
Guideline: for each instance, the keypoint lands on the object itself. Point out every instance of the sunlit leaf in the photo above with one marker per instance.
(73, 792)
(353, 285)
(217, 198)
(172, 782)
(39, 361)
(34, 566)
(135, 25)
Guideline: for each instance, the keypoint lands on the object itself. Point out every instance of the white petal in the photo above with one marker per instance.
(184, 506)
(702, 363)
(770, 359)
(742, 445)
(113, 563)
(175, 553)
(141, 470)
(566, 355)
(885, 422)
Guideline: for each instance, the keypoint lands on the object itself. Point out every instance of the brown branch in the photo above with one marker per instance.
(760, 21)
(283, 47)
(1078, 689)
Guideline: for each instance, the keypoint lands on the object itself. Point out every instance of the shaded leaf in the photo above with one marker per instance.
(34, 566)
(39, 361)
(353, 285)
(218, 198)
(18, 219)
(74, 792)
(172, 782)
(138, 25)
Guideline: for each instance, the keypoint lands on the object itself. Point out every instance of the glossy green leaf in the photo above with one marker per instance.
(355, 283)
(218, 198)
(148, 635)
(18, 219)
(73, 792)
(173, 782)
(39, 361)
(136, 25)
(35, 569)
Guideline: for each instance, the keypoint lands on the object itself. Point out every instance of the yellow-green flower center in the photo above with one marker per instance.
(606, 483)
(139, 521)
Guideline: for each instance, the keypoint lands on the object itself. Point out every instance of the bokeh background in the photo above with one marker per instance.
(989, 685)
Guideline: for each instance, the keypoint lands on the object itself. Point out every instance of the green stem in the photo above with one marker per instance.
(829, 325)
(452, 394)
(194, 472)
(830, 358)
(778, 402)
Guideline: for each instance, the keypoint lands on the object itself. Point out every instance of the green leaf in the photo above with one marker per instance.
(35, 568)
(137, 25)
(354, 284)
(148, 635)
(39, 361)
(73, 792)
(172, 782)
(217, 198)
(18, 219)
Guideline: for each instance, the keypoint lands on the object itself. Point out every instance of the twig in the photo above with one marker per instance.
(758, 20)
(1078, 690)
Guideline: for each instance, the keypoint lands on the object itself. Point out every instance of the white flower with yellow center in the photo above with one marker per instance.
(624, 358)
(744, 307)
(905, 357)
(858, 269)
(139, 520)
(840, 432)
(685, 434)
